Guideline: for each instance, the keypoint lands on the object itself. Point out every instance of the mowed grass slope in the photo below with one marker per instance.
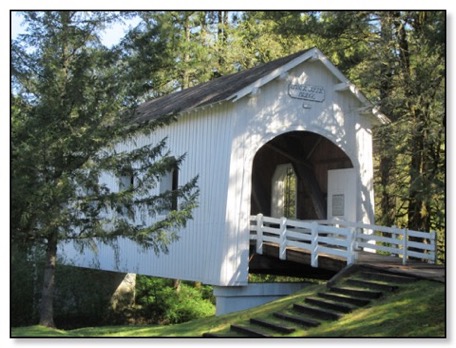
(417, 310)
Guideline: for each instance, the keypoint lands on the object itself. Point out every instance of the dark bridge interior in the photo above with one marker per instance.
(311, 156)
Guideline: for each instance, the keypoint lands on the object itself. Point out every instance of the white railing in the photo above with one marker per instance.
(340, 238)
(311, 236)
(392, 240)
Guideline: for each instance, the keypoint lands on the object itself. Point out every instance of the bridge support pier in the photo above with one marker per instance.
(236, 298)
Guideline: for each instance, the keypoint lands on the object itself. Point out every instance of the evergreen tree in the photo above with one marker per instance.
(173, 50)
(67, 115)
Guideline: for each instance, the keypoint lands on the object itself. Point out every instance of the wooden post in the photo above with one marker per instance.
(283, 239)
(352, 254)
(394, 235)
(358, 231)
(404, 246)
(314, 245)
(433, 239)
(259, 231)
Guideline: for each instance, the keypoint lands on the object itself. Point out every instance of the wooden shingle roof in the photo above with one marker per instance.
(216, 90)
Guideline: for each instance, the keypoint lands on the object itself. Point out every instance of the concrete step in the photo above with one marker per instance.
(318, 313)
(358, 293)
(304, 321)
(273, 326)
(227, 334)
(345, 299)
(210, 335)
(330, 304)
(386, 277)
(249, 331)
(372, 285)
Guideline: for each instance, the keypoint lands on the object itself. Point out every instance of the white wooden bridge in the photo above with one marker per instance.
(340, 240)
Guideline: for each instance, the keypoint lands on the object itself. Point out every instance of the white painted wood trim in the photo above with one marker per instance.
(271, 76)
(340, 87)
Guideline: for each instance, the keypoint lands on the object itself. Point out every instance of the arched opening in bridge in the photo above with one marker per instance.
(290, 175)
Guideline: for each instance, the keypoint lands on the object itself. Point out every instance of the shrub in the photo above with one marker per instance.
(161, 303)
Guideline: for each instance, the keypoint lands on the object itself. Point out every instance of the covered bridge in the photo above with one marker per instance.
(292, 138)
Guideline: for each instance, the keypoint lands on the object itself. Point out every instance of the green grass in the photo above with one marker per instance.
(418, 310)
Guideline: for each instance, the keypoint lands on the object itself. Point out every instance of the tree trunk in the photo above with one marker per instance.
(387, 201)
(186, 72)
(415, 218)
(387, 146)
(222, 22)
(47, 295)
(176, 284)
(416, 215)
(416, 117)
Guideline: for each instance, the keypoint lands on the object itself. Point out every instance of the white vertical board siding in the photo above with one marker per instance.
(206, 138)
(272, 112)
(342, 183)
(366, 213)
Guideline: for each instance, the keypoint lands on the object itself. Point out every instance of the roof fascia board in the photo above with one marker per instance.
(200, 108)
(272, 75)
(346, 84)
(380, 116)
(370, 109)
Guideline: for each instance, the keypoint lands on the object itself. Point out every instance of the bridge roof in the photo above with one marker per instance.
(235, 86)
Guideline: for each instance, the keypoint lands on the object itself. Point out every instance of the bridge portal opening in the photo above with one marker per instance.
(290, 175)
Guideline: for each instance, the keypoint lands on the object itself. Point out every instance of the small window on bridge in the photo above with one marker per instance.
(126, 182)
(126, 179)
(170, 182)
(284, 191)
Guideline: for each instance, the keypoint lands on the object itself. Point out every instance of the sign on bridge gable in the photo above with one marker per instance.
(306, 92)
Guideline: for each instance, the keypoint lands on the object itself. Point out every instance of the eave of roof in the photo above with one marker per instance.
(236, 86)
(214, 91)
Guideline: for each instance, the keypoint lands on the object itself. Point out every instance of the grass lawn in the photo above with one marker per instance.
(418, 310)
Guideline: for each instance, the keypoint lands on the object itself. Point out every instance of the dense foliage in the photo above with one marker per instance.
(159, 302)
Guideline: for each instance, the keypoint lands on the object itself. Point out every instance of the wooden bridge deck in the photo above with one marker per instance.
(329, 264)
(413, 267)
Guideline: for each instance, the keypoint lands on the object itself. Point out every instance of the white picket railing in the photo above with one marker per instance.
(340, 238)
(392, 240)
